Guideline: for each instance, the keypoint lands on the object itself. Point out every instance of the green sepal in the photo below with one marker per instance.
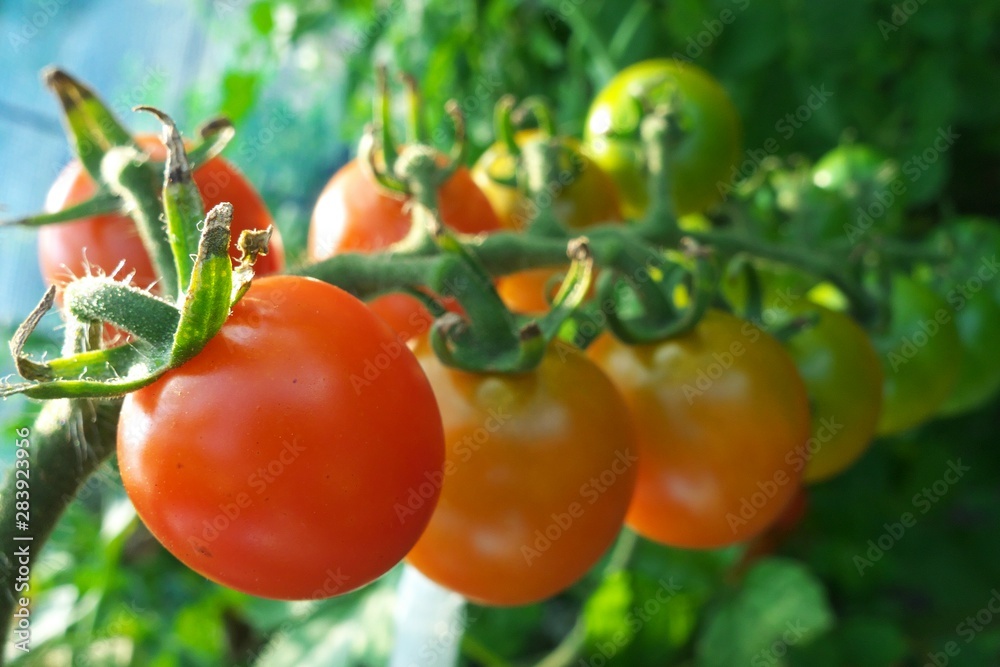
(183, 207)
(102, 299)
(573, 290)
(84, 373)
(130, 174)
(92, 129)
(102, 203)
(215, 136)
(211, 291)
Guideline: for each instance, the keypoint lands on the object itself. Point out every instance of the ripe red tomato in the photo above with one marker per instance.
(537, 478)
(588, 197)
(354, 214)
(723, 418)
(274, 460)
(703, 160)
(66, 249)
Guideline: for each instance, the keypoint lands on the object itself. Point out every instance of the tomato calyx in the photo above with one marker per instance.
(490, 338)
(418, 167)
(168, 331)
(93, 130)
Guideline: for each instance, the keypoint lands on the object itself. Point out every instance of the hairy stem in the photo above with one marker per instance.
(67, 443)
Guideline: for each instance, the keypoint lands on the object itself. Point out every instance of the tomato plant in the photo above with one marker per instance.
(268, 464)
(723, 418)
(537, 478)
(702, 160)
(355, 214)
(104, 241)
(977, 320)
(918, 349)
(584, 196)
(970, 290)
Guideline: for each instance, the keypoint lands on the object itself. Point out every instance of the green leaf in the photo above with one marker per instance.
(780, 604)
(262, 17)
(634, 619)
(239, 93)
(355, 629)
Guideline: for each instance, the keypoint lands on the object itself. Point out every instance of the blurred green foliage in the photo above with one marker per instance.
(298, 80)
(804, 75)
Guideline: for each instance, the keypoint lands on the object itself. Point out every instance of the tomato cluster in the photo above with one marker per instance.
(316, 441)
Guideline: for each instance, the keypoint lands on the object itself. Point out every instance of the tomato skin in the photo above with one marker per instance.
(354, 214)
(863, 178)
(588, 198)
(703, 160)
(267, 464)
(722, 416)
(591, 197)
(844, 379)
(66, 249)
(918, 352)
(538, 477)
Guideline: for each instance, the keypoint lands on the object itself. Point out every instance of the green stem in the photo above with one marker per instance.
(545, 182)
(101, 203)
(567, 652)
(864, 307)
(68, 441)
(131, 176)
(659, 138)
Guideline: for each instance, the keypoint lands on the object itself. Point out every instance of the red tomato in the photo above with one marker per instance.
(722, 417)
(274, 461)
(354, 214)
(537, 479)
(66, 249)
